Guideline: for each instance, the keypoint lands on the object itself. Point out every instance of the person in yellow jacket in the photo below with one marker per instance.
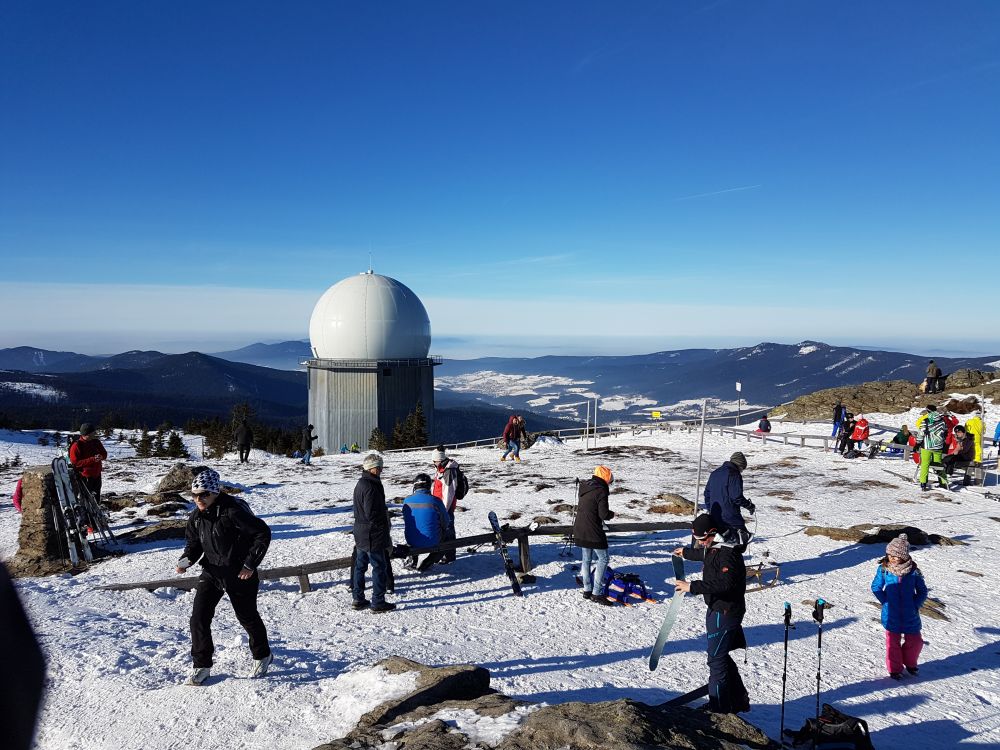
(974, 426)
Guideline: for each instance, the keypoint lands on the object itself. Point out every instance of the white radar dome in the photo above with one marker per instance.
(369, 316)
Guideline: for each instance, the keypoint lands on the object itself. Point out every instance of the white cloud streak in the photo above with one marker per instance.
(718, 192)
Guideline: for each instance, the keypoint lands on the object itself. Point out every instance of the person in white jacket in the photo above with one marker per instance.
(444, 489)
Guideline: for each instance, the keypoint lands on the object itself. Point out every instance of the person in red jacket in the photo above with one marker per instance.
(860, 434)
(88, 456)
(950, 421)
(17, 495)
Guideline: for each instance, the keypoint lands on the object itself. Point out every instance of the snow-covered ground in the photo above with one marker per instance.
(116, 660)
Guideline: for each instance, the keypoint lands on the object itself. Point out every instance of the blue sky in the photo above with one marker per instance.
(711, 172)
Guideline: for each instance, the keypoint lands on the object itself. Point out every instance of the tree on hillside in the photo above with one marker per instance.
(175, 447)
(416, 428)
(377, 441)
(144, 447)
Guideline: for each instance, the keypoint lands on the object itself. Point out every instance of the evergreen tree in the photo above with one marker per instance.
(159, 446)
(377, 441)
(400, 437)
(144, 448)
(217, 439)
(417, 428)
(175, 447)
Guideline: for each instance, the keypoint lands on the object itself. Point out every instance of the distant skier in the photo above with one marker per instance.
(724, 498)
(425, 521)
(244, 441)
(88, 456)
(723, 584)
(588, 531)
(371, 537)
(513, 432)
(900, 588)
(445, 489)
(306, 445)
(229, 542)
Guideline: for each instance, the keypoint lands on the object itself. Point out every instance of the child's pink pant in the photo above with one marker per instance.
(897, 656)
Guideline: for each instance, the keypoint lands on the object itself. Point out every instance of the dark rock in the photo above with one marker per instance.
(39, 546)
(179, 478)
(675, 504)
(168, 509)
(162, 531)
(563, 508)
(543, 520)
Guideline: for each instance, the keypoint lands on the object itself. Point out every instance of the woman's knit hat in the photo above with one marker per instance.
(206, 480)
(898, 547)
(372, 461)
(738, 460)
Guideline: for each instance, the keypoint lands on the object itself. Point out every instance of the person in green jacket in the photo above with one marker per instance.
(932, 445)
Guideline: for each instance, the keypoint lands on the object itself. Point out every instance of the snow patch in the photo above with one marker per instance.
(808, 349)
(486, 730)
(620, 403)
(35, 390)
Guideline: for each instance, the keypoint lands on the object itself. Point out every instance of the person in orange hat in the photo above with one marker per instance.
(588, 532)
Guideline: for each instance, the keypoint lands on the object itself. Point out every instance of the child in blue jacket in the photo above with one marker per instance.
(899, 586)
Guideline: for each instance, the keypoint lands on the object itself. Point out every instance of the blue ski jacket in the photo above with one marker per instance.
(424, 519)
(724, 497)
(901, 599)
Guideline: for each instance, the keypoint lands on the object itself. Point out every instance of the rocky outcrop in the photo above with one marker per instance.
(39, 548)
(419, 720)
(866, 533)
(893, 397)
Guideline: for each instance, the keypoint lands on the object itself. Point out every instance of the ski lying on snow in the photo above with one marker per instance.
(501, 546)
(693, 695)
(668, 621)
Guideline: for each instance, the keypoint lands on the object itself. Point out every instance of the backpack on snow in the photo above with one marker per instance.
(624, 588)
(833, 730)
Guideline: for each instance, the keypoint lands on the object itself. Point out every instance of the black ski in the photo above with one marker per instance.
(501, 546)
(683, 700)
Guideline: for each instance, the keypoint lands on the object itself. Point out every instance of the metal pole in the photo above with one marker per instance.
(701, 452)
(595, 420)
(586, 433)
(739, 404)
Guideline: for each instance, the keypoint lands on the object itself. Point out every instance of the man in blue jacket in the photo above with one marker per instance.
(425, 521)
(724, 498)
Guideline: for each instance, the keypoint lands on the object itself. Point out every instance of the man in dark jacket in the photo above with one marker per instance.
(229, 541)
(931, 384)
(588, 531)
(723, 584)
(307, 442)
(244, 439)
(724, 498)
(371, 537)
(839, 412)
(964, 453)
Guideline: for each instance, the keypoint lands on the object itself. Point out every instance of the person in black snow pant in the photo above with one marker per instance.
(306, 446)
(244, 439)
(723, 584)
(229, 541)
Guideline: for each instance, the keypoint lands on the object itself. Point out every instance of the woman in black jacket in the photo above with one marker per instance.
(588, 531)
(229, 541)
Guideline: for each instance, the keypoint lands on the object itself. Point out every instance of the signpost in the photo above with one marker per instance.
(739, 401)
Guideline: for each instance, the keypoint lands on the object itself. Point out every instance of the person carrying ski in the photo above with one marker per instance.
(724, 498)
(723, 585)
(445, 488)
(244, 440)
(839, 413)
(306, 445)
(932, 443)
(900, 588)
(88, 456)
(425, 522)
(371, 537)
(512, 434)
(229, 542)
(588, 531)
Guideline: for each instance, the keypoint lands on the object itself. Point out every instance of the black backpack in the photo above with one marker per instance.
(461, 484)
(833, 730)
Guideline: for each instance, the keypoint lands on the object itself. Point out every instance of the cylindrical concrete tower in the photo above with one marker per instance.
(370, 338)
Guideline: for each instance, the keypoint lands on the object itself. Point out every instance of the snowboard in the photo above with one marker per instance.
(693, 695)
(501, 546)
(668, 621)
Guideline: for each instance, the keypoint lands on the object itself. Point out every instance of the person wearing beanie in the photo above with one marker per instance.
(371, 537)
(445, 489)
(425, 522)
(588, 531)
(305, 445)
(724, 498)
(900, 588)
(723, 585)
(87, 456)
(229, 542)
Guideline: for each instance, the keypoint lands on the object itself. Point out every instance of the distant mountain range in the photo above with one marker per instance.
(478, 392)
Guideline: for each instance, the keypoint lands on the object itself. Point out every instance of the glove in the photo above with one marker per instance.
(751, 507)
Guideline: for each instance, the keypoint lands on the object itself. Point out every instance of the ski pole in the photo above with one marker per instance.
(784, 669)
(818, 617)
